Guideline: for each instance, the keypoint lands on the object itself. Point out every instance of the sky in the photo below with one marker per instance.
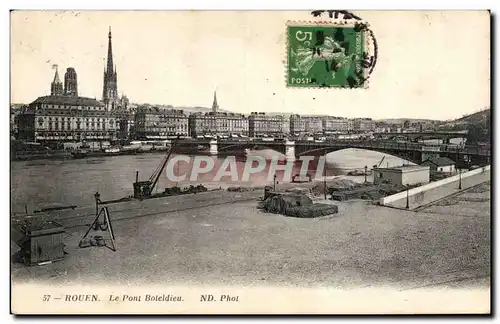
(431, 64)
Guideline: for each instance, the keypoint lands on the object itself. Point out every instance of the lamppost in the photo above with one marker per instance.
(97, 197)
(324, 182)
(460, 179)
(408, 198)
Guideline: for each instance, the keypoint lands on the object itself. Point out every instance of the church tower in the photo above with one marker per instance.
(110, 90)
(56, 87)
(215, 106)
(70, 83)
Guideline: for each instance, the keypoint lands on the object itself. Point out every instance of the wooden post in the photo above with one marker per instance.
(460, 179)
(408, 198)
(136, 176)
(366, 170)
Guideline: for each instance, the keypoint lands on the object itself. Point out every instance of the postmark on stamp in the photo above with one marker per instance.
(329, 54)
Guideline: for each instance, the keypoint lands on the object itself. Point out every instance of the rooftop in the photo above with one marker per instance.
(441, 161)
(404, 168)
(68, 100)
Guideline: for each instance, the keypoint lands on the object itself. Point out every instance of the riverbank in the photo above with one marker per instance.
(233, 243)
(69, 155)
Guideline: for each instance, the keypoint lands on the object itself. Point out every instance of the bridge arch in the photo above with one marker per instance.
(280, 148)
(329, 149)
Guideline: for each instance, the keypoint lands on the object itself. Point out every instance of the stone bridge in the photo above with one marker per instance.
(416, 136)
(414, 152)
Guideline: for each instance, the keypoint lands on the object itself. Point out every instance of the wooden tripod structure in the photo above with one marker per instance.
(104, 226)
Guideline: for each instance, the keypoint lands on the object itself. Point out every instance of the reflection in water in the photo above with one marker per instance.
(74, 182)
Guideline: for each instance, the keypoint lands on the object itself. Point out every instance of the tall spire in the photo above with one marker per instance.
(110, 90)
(215, 106)
(56, 75)
(56, 87)
(110, 53)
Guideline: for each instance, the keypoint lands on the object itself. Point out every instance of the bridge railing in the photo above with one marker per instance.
(371, 144)
(368, 144)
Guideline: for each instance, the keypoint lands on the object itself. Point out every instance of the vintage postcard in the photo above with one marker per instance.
(250, 162)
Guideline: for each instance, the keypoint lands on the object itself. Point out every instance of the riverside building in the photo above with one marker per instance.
(158, 123)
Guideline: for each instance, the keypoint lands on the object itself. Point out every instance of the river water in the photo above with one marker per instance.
(44, 183)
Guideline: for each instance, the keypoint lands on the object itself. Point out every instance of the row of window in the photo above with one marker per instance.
(41, 119)
(55, 126)
(161, 124)
(73, 113)
(162, 132)
(71, 107)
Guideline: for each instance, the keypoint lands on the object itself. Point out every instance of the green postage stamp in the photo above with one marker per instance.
(329, 55)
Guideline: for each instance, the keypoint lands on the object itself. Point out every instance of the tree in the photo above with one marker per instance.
(477, 134)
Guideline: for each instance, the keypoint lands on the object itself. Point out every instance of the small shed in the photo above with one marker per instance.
(40, 240)
(402, 175)
(440, 164)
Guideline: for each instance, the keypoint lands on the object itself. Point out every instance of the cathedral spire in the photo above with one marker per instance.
(56, 75)
(215, 106)
(56, 87)
(110, 53)
(110, 89)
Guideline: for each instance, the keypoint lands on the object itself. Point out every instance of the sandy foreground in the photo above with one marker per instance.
(366, 259)
(364, 245)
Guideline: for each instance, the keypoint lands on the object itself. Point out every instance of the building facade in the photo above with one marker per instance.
(364, 125)
(335, 125)
(126, 121)
(260, 124)
(440, 164)
(403, 175)
(313, 124)
(297, 125)
(302, 125)
(216, 123)
(65, 118)
(156, 123)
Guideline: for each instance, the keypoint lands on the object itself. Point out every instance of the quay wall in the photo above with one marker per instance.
(83, 216)
(434, 191)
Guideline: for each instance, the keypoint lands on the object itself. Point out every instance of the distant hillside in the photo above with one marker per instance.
(191, 110)
(482, 116)
(479, 119)
(187, 109)
(400, 121)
